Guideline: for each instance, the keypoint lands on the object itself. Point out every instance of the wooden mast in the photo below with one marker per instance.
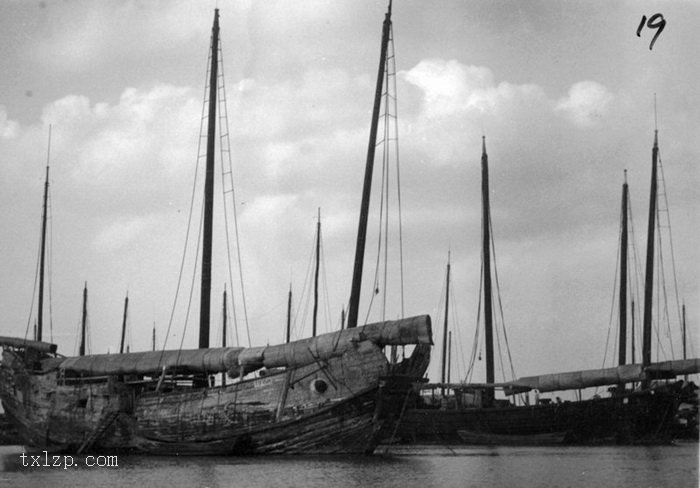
(366, 189)
(649, 274)
(81, 352)
(209, 190)
(223, 337)
(318, 253)
(685, 356)
(622, 354)
(289, 315)
(449, 355)
(632, 349)
(443, 378)
(126, 306)
(223, 334)
(42, 256)
(486, 250)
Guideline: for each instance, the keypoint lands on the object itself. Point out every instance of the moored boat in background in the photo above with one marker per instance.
(455, 413)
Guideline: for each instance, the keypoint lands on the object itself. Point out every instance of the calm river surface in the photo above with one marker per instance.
(639, 467)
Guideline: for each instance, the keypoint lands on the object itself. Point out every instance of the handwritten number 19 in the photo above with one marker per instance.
(657, 22)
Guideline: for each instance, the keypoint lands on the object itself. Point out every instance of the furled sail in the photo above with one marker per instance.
(575, 380)
(18, 343)
(212, 360)
(414, 330)
(674, 368)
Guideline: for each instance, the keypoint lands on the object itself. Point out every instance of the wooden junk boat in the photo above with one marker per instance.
(330, 394)
(641, 409)
(334, 393)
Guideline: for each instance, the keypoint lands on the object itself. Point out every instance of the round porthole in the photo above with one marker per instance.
(319, 386)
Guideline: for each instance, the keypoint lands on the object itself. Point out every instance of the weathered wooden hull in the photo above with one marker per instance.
(489, 439)
(346, 427)
(8, 432)
(637, 417)
(342, 405)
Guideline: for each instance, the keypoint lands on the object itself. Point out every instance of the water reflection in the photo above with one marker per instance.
(546, 467)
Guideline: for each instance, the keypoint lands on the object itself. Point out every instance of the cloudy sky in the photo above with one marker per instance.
(563, 92)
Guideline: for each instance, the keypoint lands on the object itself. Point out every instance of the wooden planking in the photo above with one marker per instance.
(238, 418)
(241, 407)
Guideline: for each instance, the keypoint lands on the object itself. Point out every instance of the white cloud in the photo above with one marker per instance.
(451, 87)
(106, 31)
(118, 235)
(8, 128)
(146, 128)
(269, 208)
(586, 103)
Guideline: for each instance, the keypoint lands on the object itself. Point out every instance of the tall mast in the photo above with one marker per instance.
(449, 355)
(204, 311)
(223, 333)
(81, 352)
(649, 274)
(367, 187)
(685, 356)
(444, 335)
(622, 355)
(153, 338)
(289, 315)
(126, 306)
(486, 250)
(318, 252)
(632, 350)
(223, 337)
(42, 257)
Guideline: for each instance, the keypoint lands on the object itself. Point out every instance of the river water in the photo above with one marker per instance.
(523, 467)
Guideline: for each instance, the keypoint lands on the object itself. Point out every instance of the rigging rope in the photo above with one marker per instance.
(637, 281)
(304, 298)
(223, 124)
(49, 261)
(189, 215)
(49, 271)
(390, 119)
(224, 137)
(459, 362)
(324, 282)
(661, 294)
(500, 306)
(398, 172)
(476, 344)
(662, 311)
(613, 302)
(670, 242)
(498, 330)
(192, 285)
(439, 339)
(34, 293)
